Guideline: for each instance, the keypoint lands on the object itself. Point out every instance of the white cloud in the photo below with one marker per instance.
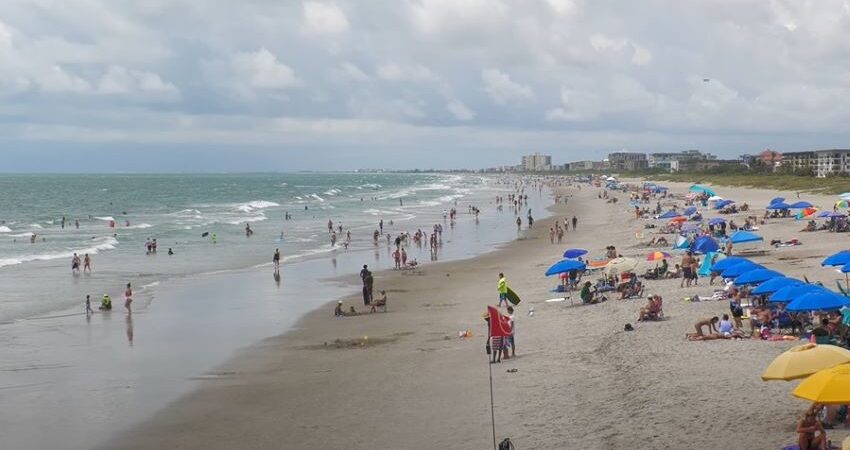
(502, 89)
(56, 79)
(641, 56)
(351, 71)
(563, 7)
(261, 69)
(602, 43)
(121, 80)
(324, 19)
(459, 110)
(416, 73)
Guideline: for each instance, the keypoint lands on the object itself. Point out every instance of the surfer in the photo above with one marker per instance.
(503, 289)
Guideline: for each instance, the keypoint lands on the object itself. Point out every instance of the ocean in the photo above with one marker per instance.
(177, 211)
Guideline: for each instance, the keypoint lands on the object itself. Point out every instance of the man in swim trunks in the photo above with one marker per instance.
(687, 275)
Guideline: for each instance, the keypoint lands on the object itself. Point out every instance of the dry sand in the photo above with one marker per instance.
(404, 380)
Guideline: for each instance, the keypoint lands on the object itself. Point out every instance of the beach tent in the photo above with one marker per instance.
(742, 237)
(716, 221)
(825, 300)
(705, 244)
(801, 205)
(801, 361)
(689, 211)
(727, 262)
(777, 200)
(682, 243)
(779, 205)
(723, 203)
(739, 269)
(669, 215)
(715, 198)
(789, 293)
(757, 276)
(573, 253)
(699, 189)
(566, 265)
(827, 387)
(705, 267)
(837, 259)
(775, 284)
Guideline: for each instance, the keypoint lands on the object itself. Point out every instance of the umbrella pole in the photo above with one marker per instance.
(492, 409)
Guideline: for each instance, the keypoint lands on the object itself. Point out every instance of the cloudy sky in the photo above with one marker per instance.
(174, 85)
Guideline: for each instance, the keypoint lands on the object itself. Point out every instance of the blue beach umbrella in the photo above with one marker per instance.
(669, 215)
(778, 205)
(801, 205)
(739, 269)
(716, 221)
(690, 210)
(705, 244)
(566, 265)
(825, 300)
(775, 284)
(777, 200)
(837, 259)
(723, 203)
(742, 237)
(832, 214)
(730, 261)
(573, 253)
(757, 276)
(789, 293)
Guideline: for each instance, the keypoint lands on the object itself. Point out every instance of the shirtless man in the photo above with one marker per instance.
(711, 323)
(87, 263)
(687, 262)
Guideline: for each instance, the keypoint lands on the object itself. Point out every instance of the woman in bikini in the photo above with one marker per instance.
(128, 298)
(811, 432)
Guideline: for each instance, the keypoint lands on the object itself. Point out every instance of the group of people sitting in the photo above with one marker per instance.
(653, 309)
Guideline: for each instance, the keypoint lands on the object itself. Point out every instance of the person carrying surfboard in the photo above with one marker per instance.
(503, 290)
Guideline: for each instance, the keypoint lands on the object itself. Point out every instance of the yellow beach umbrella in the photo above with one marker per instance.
(827, 387)
(845, 445)
(803, 360)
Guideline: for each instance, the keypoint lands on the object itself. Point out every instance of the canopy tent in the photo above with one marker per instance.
(779, 205)
(739, 269)
(669, 215)
(825, 300)
(742, 237)
(699, 189)
(789, 293)
(801, 205)
(726, 263)
(704, 244)
(757, 276)
(775, 284)
(682, 243)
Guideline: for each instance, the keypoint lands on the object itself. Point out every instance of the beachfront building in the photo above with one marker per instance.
(832, 162)
(672, 161)
(798, 162)
(585, 166)
(626, 161)
(536, 162)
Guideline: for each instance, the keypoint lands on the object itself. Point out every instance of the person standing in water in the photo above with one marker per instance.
(128, 298)
(88, 305)
(276, 260)
(87, 263)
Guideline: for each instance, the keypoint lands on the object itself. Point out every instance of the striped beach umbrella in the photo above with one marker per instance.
(657, 256)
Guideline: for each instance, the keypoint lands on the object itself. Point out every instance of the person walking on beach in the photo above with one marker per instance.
(368, 283)
(363, 272)
(128, 299)
(511, 340)
(687, 261)
(87, 263)
(503, 289)
(575, 223)
(276, 260)
(88, 305)
(403, 257)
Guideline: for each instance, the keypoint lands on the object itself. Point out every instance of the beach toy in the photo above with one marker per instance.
(803, 360)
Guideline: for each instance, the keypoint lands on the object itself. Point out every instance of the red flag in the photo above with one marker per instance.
(499, 325)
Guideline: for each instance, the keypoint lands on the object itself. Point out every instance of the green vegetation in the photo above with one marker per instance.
(748, 178)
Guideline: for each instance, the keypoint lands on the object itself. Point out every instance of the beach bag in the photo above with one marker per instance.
(506, 444)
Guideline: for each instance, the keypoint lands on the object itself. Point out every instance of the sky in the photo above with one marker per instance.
(271, 85)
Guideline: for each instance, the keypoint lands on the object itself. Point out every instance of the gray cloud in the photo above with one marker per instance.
(429, 77)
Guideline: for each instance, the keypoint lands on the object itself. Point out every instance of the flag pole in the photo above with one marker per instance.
(492, 409)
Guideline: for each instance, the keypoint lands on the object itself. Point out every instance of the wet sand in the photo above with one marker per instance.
(404, 380)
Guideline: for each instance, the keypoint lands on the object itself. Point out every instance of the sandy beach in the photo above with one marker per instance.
(405, 380)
